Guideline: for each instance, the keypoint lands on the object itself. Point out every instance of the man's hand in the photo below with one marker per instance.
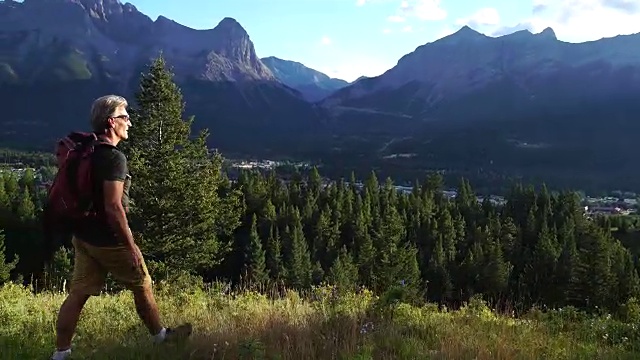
(136, 256)
(117, 217)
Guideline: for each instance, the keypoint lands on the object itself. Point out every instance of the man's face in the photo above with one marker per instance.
(121, 123)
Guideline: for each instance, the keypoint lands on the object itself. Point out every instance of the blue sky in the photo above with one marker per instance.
(350, 38)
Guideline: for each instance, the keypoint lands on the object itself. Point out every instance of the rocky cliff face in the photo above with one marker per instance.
(122, 38)
(80, 49)
(224, 53)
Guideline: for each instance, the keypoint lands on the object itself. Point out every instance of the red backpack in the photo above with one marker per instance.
(70, 197)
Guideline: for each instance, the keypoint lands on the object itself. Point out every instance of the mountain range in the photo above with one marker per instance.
(50, 71)
(313, 84)
(521, 104)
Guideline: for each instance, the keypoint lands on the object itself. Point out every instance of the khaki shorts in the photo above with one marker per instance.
(92, 264)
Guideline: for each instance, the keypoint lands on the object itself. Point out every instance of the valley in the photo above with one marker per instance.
(520, 111)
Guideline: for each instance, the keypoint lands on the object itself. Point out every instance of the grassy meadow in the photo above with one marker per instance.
(319, 325)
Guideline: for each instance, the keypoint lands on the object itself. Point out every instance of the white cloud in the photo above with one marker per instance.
(428, 10)
(396, 18)
(582, 20)
(325, 40)
(539, 5)
(483, 20)
(630, 6)
(386, 31)
(482, 17)
(356, 67)
(361, 2)
(407, 28)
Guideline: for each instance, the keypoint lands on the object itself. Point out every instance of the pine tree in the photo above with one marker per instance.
(28, 181)
(275, 265)
(5, 202)
(496, 271)
(627, 283)
(299, 269)
(439, 281)
(566, 276)
(317, 273)
(5, 267)
(343, 272)
(326, 238)
(593, 271)
(60, 269)
(366, 253)
(448, 234)
(409, 272)
(25, 209)
(179, 216)
(396, 260)
(255, 268)
(541, 267)
(11, 186)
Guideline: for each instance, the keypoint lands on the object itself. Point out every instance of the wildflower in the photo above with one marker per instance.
(366, 328)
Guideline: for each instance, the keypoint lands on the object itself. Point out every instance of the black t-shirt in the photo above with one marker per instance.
(109, 164)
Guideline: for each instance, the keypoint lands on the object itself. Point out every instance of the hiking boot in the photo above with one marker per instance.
(179, 332)
(60, 355)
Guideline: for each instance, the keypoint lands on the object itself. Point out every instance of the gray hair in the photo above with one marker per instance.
(104, 107)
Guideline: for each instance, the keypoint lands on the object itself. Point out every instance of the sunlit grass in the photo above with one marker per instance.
(321, 325)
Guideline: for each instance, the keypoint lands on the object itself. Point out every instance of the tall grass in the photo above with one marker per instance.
(319, 325)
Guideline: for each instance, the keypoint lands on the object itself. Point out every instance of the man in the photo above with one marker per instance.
(105, 244)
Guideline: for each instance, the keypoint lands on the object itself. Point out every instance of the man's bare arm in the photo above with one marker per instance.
(116, 216)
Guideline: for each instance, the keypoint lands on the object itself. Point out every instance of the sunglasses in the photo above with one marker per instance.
(126, 117)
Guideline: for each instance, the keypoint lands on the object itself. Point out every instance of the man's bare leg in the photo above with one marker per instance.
(68, 319)
(148, 312)
(147, 309)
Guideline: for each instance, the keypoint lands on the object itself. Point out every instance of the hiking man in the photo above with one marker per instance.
(104, 243)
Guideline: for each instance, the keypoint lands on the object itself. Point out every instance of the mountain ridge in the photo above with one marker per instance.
(521, 103)
(89, 54)
(314, 84)
(492, 56)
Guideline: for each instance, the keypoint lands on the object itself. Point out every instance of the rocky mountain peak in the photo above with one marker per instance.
(232, 42)
(466, 33)
(102, 28)
(232, 37)
(548, 33)
(231, 27)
